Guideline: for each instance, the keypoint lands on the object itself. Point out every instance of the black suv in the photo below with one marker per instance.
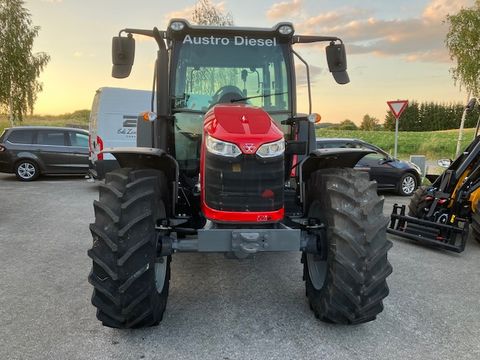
(29, 151)
(389, 173)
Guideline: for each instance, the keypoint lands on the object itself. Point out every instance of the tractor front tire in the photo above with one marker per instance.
(418, 203)
(130, 281)
(349, 285)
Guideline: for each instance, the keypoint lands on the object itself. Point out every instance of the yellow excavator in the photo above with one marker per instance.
(441, 215)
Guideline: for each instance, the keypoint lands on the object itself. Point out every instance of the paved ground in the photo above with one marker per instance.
(218, 308)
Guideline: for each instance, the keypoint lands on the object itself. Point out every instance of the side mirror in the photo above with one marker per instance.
(337, 62)
(123, 54)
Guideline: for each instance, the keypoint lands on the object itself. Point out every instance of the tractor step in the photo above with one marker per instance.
(444, 236)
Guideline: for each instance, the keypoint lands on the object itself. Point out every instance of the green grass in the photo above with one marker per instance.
(434, 145)
(3, 125)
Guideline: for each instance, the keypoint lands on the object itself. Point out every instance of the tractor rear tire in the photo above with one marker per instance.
(475, 226)
(130, 281)
(418, 203)
(348, 287)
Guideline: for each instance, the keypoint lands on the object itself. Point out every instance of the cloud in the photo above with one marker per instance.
(301, 74)
(333, 18)
(437, 10)
(416, 39)
(52, 1)
(185, 13)
(280, 10)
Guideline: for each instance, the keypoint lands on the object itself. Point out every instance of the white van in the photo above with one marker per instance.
(113, 123)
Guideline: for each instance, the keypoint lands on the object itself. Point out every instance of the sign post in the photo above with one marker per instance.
(397, 107)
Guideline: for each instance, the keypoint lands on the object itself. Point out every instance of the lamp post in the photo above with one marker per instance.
(468, 108)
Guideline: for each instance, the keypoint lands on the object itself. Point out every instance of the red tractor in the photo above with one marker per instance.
(225, 164)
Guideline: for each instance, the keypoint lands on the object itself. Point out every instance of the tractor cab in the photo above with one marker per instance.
(209, 67)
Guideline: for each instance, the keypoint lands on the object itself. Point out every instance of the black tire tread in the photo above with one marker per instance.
(355, 284)
(124, 248)
(417, 205)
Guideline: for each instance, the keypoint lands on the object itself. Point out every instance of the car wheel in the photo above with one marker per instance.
(407, 184)
(26, 170)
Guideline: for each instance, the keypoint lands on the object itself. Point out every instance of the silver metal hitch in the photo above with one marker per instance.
(245, 244)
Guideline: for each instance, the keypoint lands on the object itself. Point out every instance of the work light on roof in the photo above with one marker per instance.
(285, 29)
(177, 26)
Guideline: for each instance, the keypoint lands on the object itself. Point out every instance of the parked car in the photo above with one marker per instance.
(29, 151)
(389, 173)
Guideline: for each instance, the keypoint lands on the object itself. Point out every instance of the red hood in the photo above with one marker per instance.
(241, 124)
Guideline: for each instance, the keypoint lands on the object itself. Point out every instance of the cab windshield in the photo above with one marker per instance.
(212, 69)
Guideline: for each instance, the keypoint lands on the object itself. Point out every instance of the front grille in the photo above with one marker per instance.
(246, 183)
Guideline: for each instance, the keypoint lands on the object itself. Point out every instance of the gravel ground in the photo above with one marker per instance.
(218, 308)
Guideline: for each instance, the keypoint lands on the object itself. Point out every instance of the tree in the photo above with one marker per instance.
(429, 116)
(19, 67)
(462, 42)
(208, 80)
(369, 123)
(205, 13)
(347, 125)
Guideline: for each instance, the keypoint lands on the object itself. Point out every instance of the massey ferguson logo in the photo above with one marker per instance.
(249, 148)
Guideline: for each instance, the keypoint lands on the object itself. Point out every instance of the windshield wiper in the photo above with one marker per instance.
(256, 97)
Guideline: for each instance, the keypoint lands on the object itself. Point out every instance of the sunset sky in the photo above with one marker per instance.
(395, 49)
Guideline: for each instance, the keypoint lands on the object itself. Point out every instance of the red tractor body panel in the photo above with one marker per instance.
(249, 128)
(241, 124)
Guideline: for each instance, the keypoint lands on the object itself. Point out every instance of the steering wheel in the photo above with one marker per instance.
(225, 94)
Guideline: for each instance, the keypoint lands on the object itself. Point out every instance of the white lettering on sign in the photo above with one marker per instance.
(237, 41)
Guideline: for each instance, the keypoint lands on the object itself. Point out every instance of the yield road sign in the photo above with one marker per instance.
(397, 107)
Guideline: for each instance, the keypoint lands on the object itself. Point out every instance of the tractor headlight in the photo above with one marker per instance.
(271, 149)
(222, 148)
